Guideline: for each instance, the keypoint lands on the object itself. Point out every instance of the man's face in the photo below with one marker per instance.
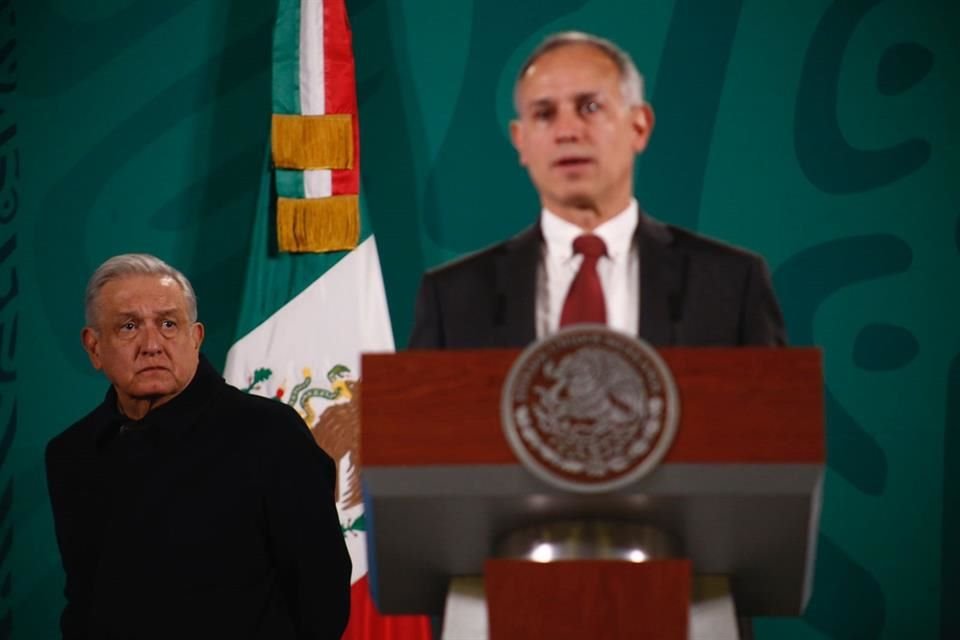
(143, 340)
(575, 132)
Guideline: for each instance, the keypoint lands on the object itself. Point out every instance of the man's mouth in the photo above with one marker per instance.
(152, 369)
(572, 162)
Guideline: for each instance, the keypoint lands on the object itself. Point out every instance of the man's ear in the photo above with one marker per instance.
(643, 120)
(516, 137)
(197, 332)
(91, 344)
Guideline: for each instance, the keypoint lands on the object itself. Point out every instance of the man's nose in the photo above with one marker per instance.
(151, 340)
(568, 125)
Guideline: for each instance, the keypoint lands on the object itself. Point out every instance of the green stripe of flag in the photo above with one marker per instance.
(286, 58)
(290, 183)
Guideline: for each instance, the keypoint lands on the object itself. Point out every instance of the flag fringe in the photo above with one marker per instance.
(312, 142)
(318, 225)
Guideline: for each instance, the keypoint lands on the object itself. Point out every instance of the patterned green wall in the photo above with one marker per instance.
(818, 133)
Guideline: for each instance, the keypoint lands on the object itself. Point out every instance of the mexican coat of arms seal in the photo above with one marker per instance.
(589, 409)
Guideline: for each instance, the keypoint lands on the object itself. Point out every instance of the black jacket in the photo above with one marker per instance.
(212, 517)
(694, 291)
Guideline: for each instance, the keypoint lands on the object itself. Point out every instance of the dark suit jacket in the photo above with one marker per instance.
(694, 291)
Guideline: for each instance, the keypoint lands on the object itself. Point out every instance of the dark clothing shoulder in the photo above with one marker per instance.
(213, 516)
(694, 291)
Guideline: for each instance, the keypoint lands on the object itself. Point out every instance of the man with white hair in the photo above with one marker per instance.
(593, 256)
(185, 508)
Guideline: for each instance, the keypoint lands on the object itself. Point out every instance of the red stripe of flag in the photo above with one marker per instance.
(339, 78)
(366, 623)
(340, 87)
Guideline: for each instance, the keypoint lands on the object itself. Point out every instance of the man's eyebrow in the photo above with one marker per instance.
(577, 97)
(132, 313)
(541, 102)
(586, 94)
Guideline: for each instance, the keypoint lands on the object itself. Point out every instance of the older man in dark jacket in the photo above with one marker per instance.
(185, 508)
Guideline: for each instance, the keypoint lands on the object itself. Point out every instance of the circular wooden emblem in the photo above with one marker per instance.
(589, 409)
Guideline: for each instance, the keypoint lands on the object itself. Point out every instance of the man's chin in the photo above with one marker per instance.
(153, 392)
(154, 385)
(579, 201)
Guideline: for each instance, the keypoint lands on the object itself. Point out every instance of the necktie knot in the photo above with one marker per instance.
(590, 246)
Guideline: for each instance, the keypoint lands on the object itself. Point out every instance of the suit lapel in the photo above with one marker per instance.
(514, 322)
(661, 282)
(661, 286)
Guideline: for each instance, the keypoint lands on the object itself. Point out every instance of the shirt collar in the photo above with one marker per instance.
(617, 233)
(174, 416)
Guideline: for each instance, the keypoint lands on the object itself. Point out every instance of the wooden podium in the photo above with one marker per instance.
(739, 489)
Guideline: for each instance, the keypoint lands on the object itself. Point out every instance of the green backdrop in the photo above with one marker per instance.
(821, 134)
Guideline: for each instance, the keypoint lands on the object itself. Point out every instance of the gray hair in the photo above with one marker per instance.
(135, 264)
(631, 81)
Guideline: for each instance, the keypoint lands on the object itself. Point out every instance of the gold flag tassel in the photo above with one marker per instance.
(312, 142)
(318, 224)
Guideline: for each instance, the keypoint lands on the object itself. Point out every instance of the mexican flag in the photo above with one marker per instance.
(314, 297)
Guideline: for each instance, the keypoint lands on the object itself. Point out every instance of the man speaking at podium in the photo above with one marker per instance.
(593, 256)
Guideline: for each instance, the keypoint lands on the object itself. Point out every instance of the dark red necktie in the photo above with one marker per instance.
(584, 301)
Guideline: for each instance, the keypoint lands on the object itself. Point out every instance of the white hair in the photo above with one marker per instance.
(135, 264)
(631, 81)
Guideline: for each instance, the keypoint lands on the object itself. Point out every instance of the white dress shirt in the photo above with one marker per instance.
(619, 270)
